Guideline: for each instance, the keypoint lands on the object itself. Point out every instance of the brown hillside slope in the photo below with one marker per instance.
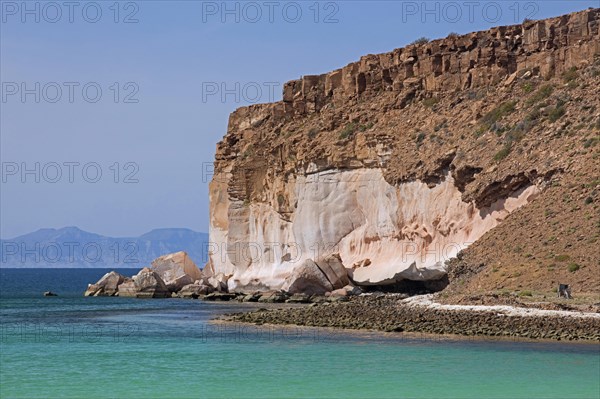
(498, 109)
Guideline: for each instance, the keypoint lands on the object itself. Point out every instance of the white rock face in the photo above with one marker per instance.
(382, 233)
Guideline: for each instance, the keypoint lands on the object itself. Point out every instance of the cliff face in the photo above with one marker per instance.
(401, 160)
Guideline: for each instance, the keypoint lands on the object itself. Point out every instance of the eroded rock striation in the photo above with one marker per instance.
(398, 162)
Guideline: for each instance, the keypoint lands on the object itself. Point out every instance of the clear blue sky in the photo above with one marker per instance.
(175, 52)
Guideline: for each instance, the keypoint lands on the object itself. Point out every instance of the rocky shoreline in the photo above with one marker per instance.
(175, 275)
(393, 313)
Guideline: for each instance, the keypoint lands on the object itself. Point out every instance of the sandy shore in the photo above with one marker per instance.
(421, 314)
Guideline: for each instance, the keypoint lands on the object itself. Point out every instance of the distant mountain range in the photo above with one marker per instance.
(73, 247)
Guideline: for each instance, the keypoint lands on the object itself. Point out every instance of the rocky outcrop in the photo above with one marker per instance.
(178, 269)
(172, 275)
(399, 161)
(390, 314)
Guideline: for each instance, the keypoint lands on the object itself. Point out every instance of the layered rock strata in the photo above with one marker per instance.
(333, 169)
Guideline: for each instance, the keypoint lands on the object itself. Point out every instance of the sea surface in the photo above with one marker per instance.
(71, 346)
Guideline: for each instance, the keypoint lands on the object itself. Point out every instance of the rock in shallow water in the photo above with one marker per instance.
(195, 291)
(127, 288)
(176, 270)
(146, 284)
(178, 284)
(219, 296)
(106, 286)
(168, 275)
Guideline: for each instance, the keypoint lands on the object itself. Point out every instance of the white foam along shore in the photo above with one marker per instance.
(503, 310)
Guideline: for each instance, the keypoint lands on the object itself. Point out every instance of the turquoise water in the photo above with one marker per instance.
(69, 346)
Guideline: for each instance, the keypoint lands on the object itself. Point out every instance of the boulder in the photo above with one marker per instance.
(317, 278)
(180, 282)
(335, 271)
(148, 284)
(106, 286)
(127, 288)
(308, 278)
(176, 270)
